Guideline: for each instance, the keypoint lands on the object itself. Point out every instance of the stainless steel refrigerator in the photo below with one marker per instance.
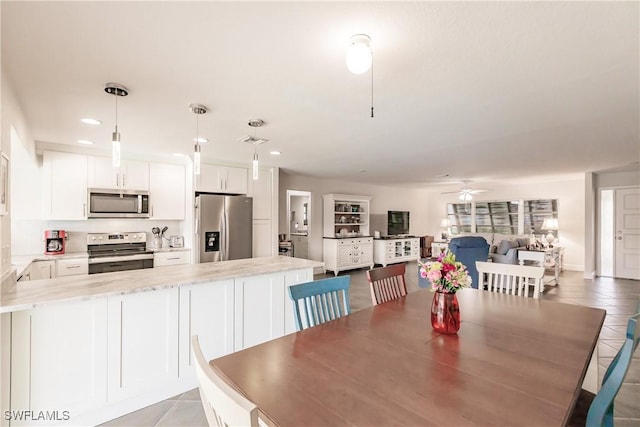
(223, 227)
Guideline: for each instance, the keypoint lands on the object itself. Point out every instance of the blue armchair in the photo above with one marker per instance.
(468, 250)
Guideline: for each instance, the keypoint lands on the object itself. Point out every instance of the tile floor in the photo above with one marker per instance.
(619, 297)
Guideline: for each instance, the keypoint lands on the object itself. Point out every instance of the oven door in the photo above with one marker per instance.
(119, 263)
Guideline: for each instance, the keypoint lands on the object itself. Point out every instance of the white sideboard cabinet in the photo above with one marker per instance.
(391, 251)
(347, 254)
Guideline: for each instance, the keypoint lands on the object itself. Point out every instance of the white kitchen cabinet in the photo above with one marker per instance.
(222, 179)
(391, 251)
(347, 254)
(206, 310)
(131, 175)
(142, 337)
(72, 267)
(64, 186)
(167, 185)
(261, 192)
(59, 359)
(262, 238)
(260, 302)
(43, 270)
(161, 259)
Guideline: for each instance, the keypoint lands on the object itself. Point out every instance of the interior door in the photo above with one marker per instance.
(627, 233)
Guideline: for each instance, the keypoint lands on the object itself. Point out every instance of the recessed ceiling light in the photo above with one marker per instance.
(275, 153)
(362, 170)
(90, 121)
(442, 175)
(85, 142)
(200, 140)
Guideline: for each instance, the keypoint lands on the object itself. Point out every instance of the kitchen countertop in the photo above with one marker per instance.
(83, 287)
(21, 262)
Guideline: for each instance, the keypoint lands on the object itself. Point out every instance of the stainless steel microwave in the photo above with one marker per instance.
(108, 203)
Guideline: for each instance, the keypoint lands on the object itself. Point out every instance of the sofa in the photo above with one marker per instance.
(504, 247)
(506, 251)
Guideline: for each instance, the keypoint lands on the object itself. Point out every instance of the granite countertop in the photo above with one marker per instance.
(83, 287)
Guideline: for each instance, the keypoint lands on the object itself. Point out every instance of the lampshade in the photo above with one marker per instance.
(445, 223)
(359, 55)
(550, 224)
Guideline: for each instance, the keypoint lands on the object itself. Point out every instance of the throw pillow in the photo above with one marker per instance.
(493, 249)
(505, 245)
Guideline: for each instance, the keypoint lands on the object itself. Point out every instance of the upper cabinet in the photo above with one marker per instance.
(221, 179)
(64, 186)
(131, 175)
(166, 191)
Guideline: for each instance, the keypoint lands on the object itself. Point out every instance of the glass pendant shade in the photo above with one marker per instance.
(359, 55)
(115, 149)
(255, 167)
(466, 197)
(196, 159)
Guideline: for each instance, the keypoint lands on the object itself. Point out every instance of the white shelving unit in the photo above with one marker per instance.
(391, 251)
(346, 244)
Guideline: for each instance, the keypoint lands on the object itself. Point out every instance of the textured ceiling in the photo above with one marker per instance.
(483, 91)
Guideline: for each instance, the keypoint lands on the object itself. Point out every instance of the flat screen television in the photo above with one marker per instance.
(397, 222)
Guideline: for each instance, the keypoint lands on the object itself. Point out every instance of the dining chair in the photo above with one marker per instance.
(387, 283)
(320, 301)
(597, 410)
(223, 405)
(511, 279)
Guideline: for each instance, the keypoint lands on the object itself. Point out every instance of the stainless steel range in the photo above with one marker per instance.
(118, 252)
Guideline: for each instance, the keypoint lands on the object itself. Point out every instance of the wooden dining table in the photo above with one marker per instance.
(514, 361)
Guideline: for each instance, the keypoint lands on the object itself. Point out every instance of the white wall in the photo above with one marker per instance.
(383, 199)
(571, 210)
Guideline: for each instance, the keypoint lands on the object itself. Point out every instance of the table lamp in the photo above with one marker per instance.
(550, 224)
(445, 223)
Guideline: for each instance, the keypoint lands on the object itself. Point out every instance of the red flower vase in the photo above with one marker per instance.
(445, 313)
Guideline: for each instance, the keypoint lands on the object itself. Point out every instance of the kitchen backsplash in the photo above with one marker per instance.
(27, 236)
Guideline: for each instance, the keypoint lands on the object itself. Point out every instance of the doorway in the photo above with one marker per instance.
(299, 221)
(620, 233)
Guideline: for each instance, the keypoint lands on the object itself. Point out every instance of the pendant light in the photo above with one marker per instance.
(360, 58)
(255, 165)
(117, 90)
(197, 109)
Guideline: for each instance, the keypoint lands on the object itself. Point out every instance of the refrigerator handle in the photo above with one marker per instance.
(223, 237)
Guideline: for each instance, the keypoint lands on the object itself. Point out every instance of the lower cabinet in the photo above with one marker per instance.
(143, 332)
(59, 360)
(390, 251)
(347, 254)
(102, 358)
(161, 259)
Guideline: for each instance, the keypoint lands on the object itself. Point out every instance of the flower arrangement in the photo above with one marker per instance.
(446, 274)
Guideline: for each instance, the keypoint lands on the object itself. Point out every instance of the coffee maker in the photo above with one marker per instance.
(54, 242)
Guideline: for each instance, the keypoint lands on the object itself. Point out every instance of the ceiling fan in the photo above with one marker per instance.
(466, 193)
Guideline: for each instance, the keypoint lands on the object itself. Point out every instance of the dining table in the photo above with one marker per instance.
(514, 361)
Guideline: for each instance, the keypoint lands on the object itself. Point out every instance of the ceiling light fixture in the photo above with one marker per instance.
(275, 153)
(465, 196)
(85, 142)
(201, 140)
(197, 109)
(360, 58)
(117, 90)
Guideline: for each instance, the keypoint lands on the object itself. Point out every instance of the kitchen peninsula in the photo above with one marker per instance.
(99, 346)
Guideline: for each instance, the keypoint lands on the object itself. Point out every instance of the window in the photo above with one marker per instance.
(502, 217)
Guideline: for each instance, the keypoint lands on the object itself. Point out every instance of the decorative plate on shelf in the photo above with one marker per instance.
(343, 231)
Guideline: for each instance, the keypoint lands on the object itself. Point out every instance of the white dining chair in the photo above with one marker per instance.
(510, 279)
(223, 405)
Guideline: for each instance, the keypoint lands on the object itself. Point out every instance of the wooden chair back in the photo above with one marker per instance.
(320, 301)
(223, 405)
(601, 409)
(510, 279)
(387, 283)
